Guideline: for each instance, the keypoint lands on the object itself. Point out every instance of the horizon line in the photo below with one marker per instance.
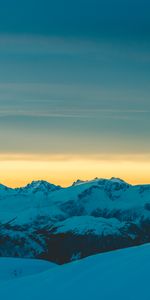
(76, 180)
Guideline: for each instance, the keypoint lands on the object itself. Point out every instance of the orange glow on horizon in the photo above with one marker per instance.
(63, 170)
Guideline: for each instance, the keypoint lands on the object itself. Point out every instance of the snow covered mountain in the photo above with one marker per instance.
(62, 224)
(121, 274)
(39, 186)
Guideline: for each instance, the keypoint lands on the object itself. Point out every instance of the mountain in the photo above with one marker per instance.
(39, 186)
(47, 221)
(78, 181)
(5, 191)
(121, 274)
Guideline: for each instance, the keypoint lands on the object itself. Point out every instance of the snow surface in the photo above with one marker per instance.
(11, 268)
(116, 275)
(88, 224)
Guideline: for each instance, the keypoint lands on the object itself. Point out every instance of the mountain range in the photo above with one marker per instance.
(43, 220)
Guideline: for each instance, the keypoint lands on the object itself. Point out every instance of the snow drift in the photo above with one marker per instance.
(121, 274)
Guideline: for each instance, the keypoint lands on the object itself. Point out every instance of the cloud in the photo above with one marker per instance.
(102, 48)
(99, 157)
(39, 44)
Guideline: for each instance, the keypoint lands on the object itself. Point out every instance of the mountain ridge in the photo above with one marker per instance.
(47, 221)
(74, 183)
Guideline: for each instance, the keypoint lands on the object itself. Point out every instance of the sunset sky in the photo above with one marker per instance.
(74, 90)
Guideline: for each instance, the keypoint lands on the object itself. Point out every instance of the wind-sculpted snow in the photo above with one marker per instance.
(13, 268)
(61, 224)
(122, 274)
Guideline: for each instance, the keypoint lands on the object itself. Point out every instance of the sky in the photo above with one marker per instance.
(74, 90)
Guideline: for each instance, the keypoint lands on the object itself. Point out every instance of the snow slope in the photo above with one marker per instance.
(121, 274)
(11, 268)
(87, 224)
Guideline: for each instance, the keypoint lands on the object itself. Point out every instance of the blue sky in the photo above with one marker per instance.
(74, 78)
(75, 17)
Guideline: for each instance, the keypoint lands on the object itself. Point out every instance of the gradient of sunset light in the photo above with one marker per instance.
(74, 90)
(18, 170)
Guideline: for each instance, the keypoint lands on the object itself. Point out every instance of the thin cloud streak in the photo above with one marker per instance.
(81, 113)
(122, 157)
(41, 44)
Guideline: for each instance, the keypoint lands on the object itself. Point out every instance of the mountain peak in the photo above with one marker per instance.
(40, 186)
(117, 180)
(77, 182)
